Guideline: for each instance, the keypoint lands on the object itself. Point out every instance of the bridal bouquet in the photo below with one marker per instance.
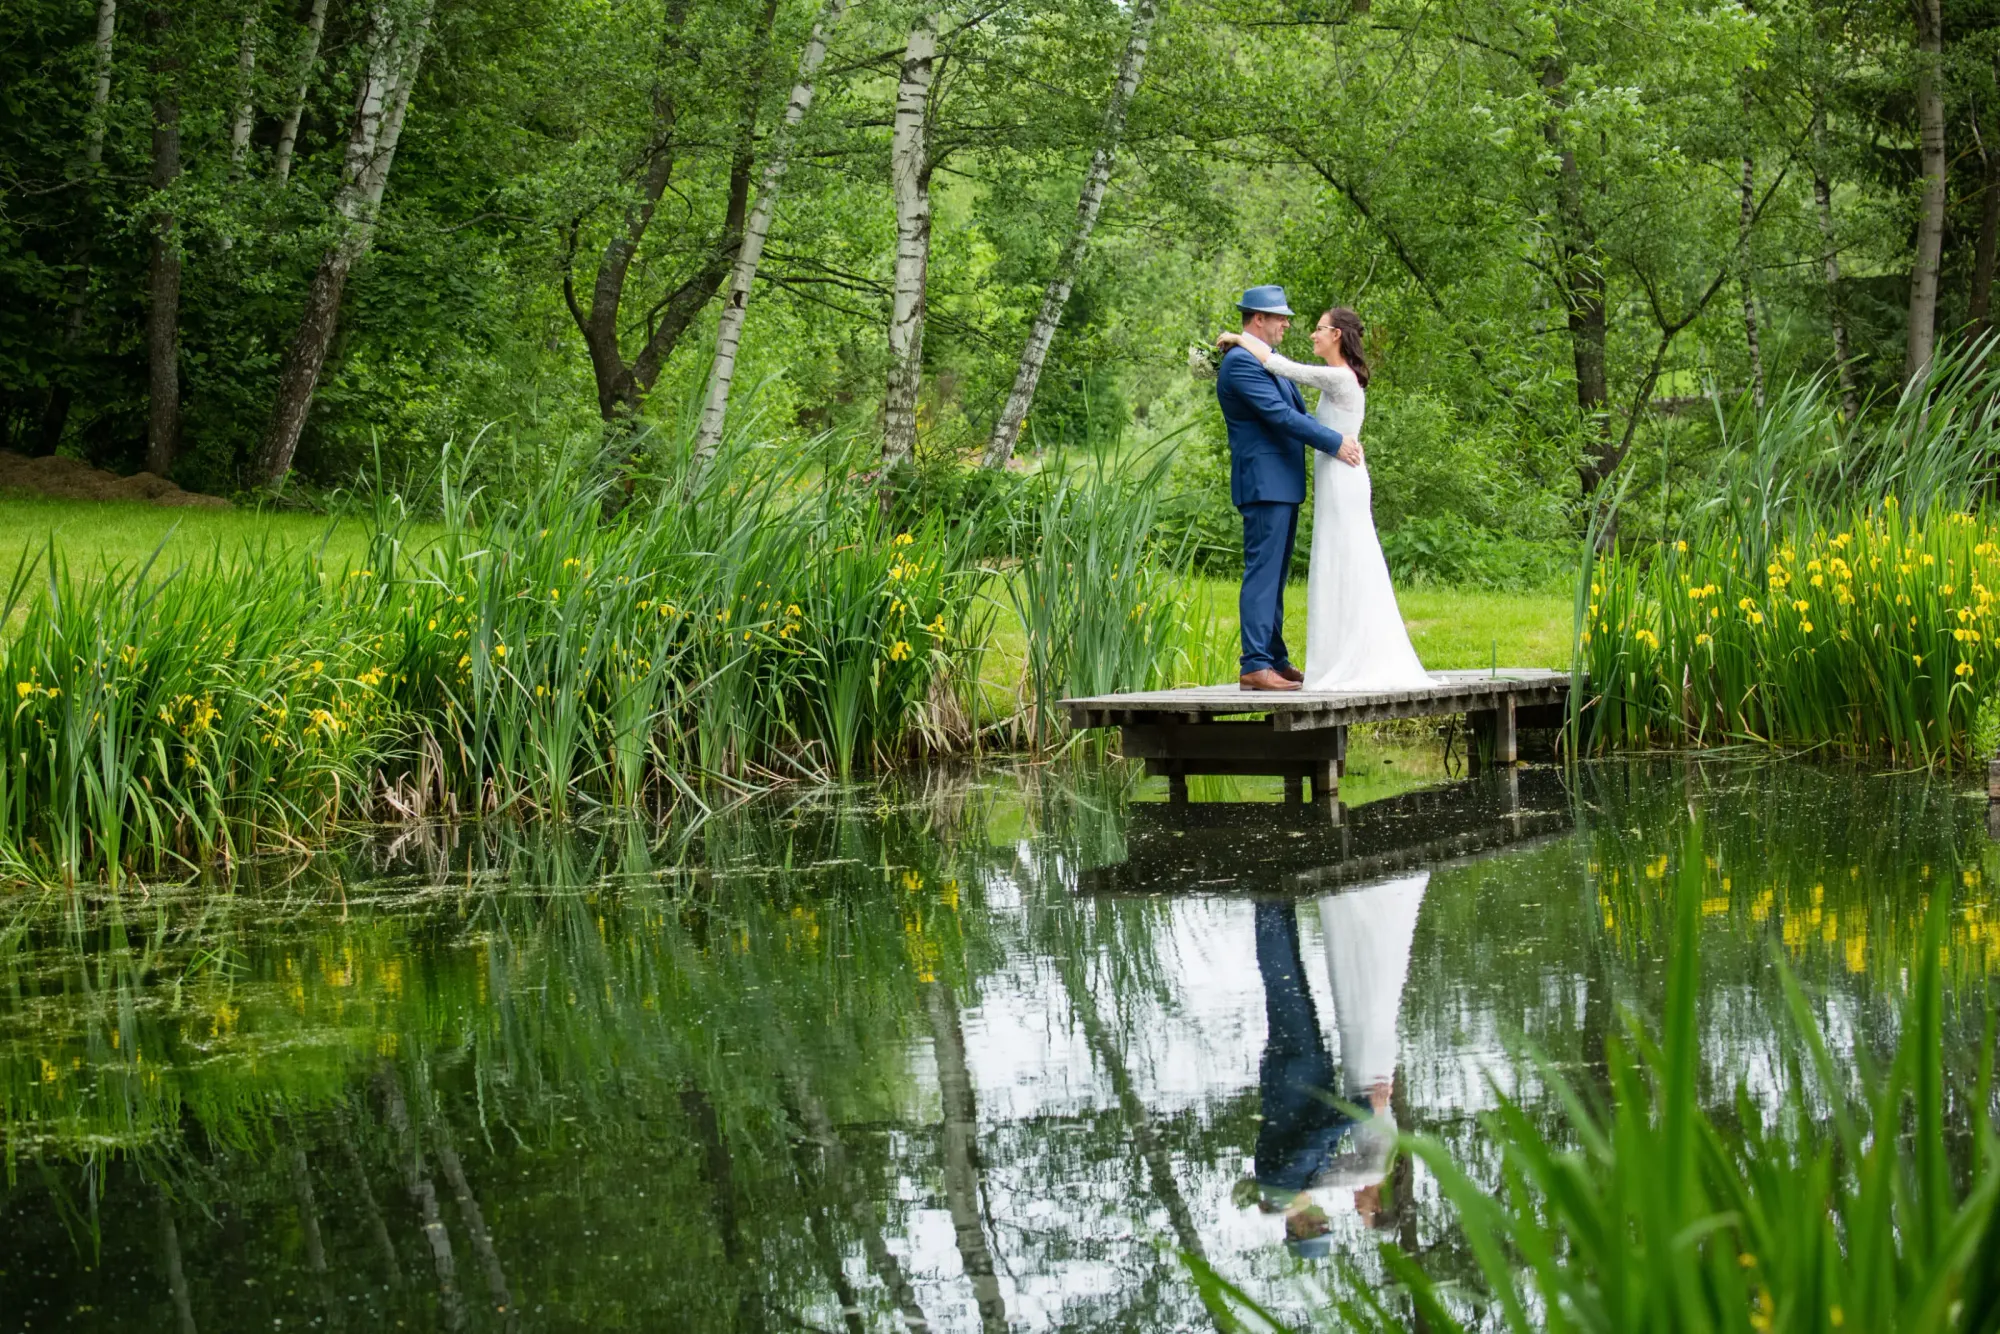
(1204, 360)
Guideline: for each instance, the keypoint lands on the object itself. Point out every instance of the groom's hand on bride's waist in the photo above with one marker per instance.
(1350, 451)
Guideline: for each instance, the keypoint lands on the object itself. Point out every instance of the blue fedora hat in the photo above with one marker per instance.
(1266, 300)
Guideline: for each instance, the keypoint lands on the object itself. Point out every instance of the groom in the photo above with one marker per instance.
(1268, 424)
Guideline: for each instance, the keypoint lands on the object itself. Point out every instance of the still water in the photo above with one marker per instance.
(988, 1049)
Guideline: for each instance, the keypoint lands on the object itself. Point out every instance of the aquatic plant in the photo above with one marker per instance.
(744, 623)
(1867, 629)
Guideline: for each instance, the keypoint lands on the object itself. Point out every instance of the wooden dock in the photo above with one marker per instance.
(1301, 736)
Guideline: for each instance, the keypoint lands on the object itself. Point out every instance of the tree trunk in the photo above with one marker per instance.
(1843, 360)
(1580, 283)
(961, 1155)
(1007, 430)
(1747, 216)
(1930, 212)
(396, 52)
(288, 135)
(622, 386)
(246, 105)
(55, 414)
(163, 306)
(729, 329)
(910, 172)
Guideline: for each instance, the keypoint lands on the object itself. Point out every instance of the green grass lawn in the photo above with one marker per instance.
(1449, 627)
(128, 531)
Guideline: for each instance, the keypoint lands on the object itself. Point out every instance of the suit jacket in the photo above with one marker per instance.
(1268, 427)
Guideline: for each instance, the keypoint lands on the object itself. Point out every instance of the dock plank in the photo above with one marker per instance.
(1301, 710)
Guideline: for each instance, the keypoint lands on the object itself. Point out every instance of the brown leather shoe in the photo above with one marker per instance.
(1291, 673)
(1265, 679)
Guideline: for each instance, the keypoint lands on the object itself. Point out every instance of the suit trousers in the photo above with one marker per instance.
(1269, 529)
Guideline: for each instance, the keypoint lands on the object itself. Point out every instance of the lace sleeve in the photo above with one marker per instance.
(1336, 380)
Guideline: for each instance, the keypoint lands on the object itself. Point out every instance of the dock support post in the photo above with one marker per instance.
(1295, 789)
(1177, 789)
(1493, 736)
(1326, 781)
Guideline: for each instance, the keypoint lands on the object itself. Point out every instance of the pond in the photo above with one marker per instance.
(979, 1049)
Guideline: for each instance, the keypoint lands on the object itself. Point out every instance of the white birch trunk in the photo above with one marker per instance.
(395, 55)
(1850, 397)
(246, 107)
(910, 171)
(729, 330)
(288, 136)
(1007, 430)
(100, 96)
(1930, 214)
(1746, 216)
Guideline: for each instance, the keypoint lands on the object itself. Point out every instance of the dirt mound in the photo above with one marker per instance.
(72, 479)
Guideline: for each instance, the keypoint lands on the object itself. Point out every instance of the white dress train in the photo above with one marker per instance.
(1355, 638)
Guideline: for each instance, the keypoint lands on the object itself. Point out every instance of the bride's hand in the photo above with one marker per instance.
(1229, 338)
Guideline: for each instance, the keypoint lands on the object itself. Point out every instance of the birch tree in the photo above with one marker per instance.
(163, 285)
(1922, 338)
(244, 118)
(1007, 430)
(56, 415)
(910, 173)
(1746, 216)
(729, 328)
(395, 52)
(288, 134)
(1843, 359)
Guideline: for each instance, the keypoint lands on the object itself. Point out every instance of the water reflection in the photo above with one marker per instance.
(978, 1054)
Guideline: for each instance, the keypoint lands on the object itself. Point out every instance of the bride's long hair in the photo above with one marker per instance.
(1349, 324)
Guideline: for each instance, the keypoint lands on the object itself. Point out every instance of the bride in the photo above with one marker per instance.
(1355, 638)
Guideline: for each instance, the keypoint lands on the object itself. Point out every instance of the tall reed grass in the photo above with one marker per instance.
(746, 622)
(1837, 590)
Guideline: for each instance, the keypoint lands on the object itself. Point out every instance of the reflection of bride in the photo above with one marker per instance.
(1367, 933)
(1306, 1145)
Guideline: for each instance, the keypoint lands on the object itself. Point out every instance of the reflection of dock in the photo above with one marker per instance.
(1300, 735)
(1272, 848)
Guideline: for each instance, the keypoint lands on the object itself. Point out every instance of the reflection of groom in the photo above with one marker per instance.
(1299, 1137)
(1268, 424)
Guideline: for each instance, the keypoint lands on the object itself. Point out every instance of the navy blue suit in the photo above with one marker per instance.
(1269, 430)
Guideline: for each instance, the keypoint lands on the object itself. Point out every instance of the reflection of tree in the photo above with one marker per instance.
(170, 1258)
(961, 1154)
(417, 1182)
(860, 1211)
(315, 1245)
(1120, 935)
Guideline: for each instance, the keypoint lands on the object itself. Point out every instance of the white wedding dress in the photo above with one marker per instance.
(1355, 639)
(1368, 932)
